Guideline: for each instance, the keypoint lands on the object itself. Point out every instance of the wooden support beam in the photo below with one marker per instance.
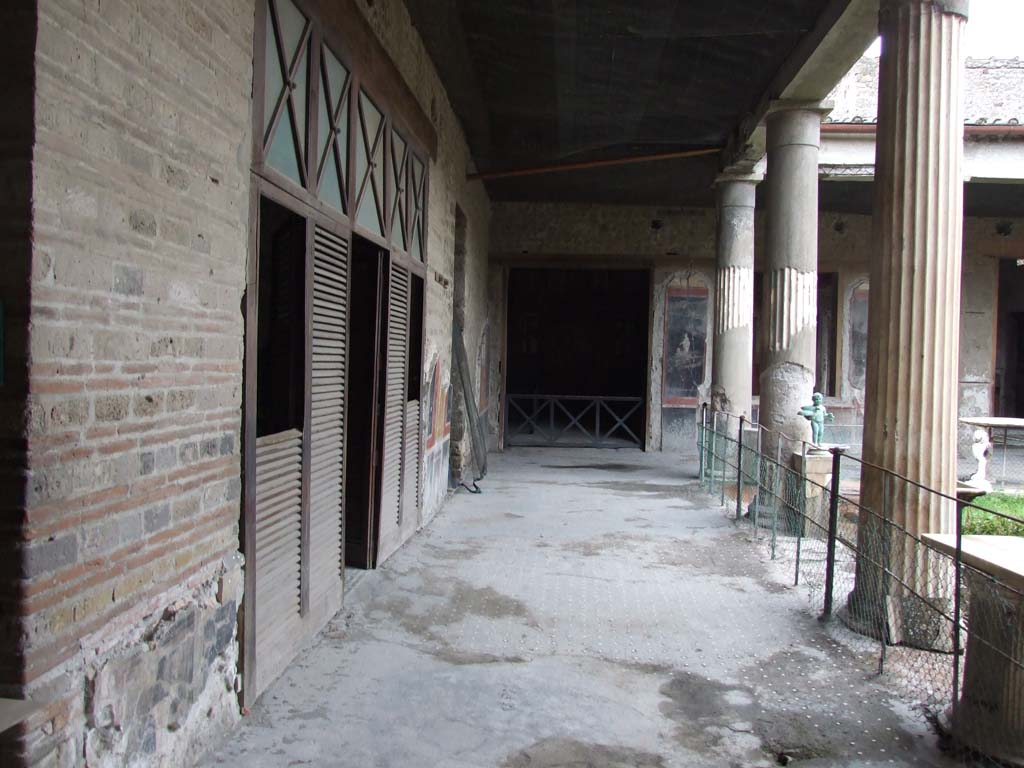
(588, 164)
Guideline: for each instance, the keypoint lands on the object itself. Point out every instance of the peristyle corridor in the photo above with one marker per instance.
(589, 608)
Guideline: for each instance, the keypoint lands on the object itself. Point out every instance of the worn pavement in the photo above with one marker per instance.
(589, 608)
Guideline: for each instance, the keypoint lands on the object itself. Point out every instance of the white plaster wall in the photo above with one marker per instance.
(497, 284)
(852, 156)
(978, 300)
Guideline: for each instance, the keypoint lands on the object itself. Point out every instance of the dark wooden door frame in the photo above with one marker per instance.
(262, 189)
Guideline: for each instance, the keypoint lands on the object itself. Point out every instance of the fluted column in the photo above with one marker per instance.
(791, 266)
(732, 361)
(913, 330)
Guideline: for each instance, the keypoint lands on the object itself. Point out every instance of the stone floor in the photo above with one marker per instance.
(589, 608)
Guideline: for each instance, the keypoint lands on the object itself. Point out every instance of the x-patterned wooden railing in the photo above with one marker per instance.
(571, 420)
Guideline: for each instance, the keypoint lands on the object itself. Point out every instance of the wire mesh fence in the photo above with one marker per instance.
(938, 617)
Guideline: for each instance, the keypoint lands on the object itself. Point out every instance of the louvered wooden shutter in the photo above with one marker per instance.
(278, 551)
(411, 470)
(394, 411)
(327, 433)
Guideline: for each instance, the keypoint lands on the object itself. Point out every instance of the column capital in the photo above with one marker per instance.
(734, 190)
(736, 177)
(955, 7)
(794, 123)
(778, 106)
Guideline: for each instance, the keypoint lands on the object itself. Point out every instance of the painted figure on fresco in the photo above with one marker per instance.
(817, 414)
(685, 343)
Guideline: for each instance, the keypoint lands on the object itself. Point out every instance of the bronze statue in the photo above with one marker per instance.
(817, 414)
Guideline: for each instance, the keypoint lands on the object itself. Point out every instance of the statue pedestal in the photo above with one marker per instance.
(800, 507)
(816, 469)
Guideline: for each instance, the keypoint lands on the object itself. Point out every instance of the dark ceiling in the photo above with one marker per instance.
(549, 81)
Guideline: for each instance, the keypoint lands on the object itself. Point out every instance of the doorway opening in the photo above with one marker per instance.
(577, 357)
(1009, 394)
(280, 384)
(364, 395)
(382, 480)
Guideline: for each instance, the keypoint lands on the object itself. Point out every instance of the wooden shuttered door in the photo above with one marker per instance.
(395, 371)
(327, 438)
(278, 555)
(295, 546)
(323, 167)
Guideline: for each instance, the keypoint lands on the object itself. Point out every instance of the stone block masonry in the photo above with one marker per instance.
(140, 196)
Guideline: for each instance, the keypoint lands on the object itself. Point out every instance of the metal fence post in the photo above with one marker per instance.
(833, 532)
(1006, 446)
(887, 534)
(712, 453)
(724, 462)
(758, 479)
(883, 631)
(776, 491)
(702, 436)
(800, 508)
(739, 473)
(958, 568)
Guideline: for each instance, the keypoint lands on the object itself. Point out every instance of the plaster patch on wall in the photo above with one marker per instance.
(437, 427)
(496, 319)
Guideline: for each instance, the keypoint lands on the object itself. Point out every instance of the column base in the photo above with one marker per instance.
(785, 387)
(901, 620)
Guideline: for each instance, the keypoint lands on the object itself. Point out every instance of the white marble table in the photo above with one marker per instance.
(990, 714)
(993, 422)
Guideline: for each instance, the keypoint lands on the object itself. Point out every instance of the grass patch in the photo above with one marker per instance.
(978, 521)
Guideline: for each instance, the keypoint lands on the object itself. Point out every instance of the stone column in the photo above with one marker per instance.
(910, 419)
(791, 266)
(732, 361)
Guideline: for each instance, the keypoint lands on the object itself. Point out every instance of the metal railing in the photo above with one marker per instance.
(573, 420)
(937, 622)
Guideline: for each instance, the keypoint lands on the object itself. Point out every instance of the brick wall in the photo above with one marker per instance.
(131, 223)
(140, 206)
